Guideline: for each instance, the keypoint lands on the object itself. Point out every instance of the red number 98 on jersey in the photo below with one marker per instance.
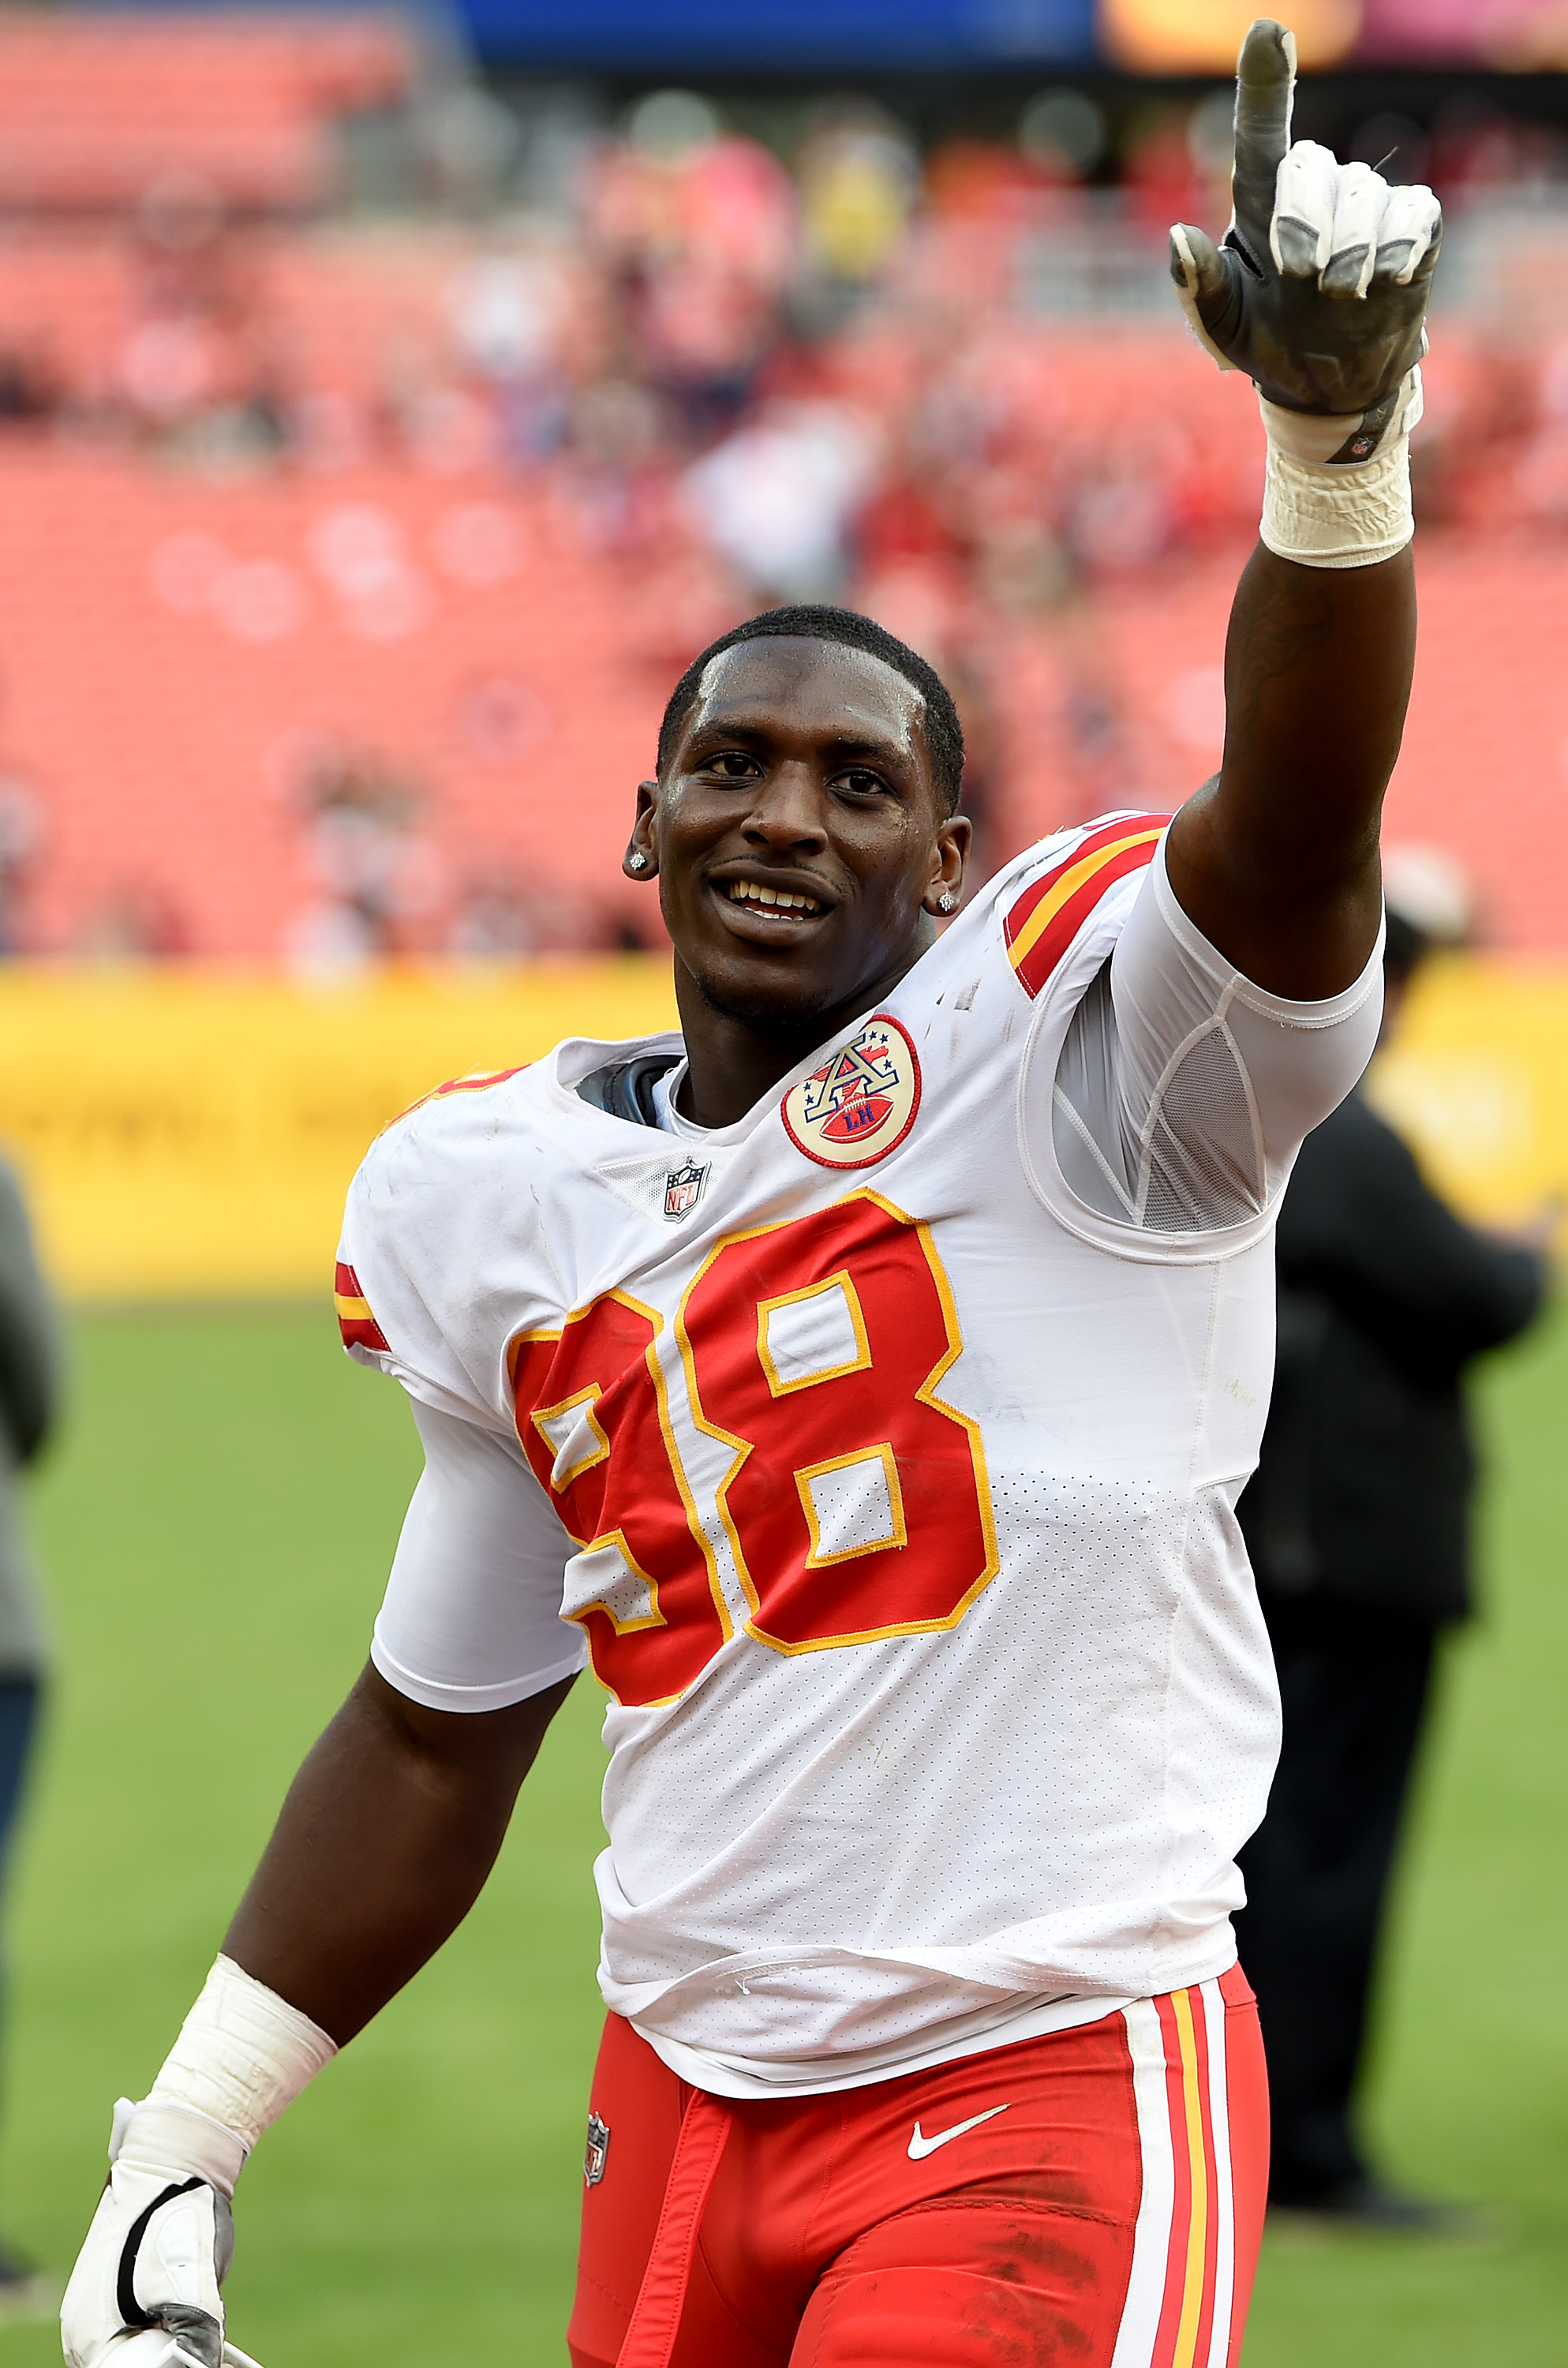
(855, 1502)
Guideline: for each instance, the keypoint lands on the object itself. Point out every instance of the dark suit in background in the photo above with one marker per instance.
(29, 1381)
(1356, 1522)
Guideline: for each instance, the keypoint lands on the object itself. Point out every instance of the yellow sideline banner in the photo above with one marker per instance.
(186, 1135)
(1476, 1079)
(190, 1134)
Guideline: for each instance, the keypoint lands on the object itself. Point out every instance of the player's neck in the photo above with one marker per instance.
(732, 1061)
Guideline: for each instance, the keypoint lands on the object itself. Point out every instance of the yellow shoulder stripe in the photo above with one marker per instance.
(1075, 877)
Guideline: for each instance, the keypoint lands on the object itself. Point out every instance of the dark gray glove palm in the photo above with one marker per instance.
(1319, 290)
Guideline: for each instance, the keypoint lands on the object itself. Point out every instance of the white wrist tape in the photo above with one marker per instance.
(1338, 489)
(244, 2055)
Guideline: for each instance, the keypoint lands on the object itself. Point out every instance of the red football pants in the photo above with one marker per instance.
(1094, 2196)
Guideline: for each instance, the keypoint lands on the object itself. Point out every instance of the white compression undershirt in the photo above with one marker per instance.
(670, 1120)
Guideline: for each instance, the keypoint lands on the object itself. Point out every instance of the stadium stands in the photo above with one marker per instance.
(177, 657)
(94, 111)
(345, 562)
(173, 652)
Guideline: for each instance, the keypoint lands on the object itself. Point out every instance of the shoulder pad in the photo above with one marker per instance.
(475, 1082)
(1042, 924)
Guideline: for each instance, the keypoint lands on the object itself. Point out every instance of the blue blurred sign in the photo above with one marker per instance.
(772, 35)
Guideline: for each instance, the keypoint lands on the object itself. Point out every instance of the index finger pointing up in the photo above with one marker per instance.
(1265, 75)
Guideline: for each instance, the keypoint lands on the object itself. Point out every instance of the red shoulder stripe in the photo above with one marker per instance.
(354, 1321)
(1052, 909)
(476, 1082)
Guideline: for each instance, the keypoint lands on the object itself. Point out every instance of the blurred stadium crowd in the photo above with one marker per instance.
(376, 447)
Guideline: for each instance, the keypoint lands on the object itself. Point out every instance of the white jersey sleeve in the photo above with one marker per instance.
(1183, 1092)
(471, 1619)
(437, 1226)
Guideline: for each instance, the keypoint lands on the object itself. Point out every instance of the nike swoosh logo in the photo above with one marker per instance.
(920, 2145)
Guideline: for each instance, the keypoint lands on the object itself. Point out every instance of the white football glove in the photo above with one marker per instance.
(156, 2254)
(1319, 288)
(144, 2293)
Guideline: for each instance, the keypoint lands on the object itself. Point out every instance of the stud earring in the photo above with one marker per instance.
(947, 900)
(637, 861)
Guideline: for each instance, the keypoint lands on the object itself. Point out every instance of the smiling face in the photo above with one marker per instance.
(799, 837)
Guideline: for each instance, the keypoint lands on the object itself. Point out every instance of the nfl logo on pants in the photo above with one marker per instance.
(596, 2150)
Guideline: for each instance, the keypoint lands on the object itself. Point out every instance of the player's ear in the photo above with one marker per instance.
(641, 861)
(944, 890)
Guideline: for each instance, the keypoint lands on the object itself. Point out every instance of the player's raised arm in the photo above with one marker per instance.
(1319, 292)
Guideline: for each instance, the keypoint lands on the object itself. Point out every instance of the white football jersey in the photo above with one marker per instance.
(882, 1451)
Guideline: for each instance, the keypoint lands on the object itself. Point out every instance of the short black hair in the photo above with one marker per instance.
(809, 622)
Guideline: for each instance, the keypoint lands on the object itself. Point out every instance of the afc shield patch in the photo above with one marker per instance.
(683, 1187)
(596, 2151)
(860, 1103)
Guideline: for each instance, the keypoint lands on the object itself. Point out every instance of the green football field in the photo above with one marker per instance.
(216, 1526)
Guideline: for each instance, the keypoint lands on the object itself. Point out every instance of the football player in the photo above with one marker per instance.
(867, 1375)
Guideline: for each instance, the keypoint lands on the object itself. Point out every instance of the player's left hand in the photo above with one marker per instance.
(1319, 289)
(154, 2257)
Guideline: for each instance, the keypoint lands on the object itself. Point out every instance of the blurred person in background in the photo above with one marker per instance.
(379, 871)
(776, 499)
(20, 831)
(859, 181)
(1358, 1522)
(30, 1376)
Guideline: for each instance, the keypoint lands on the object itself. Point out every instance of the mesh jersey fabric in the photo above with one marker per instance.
(1183, 1091)
(848, 1855)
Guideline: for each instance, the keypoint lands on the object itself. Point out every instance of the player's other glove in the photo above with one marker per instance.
(145, 2290)
(1318, 291)
(160, 2243)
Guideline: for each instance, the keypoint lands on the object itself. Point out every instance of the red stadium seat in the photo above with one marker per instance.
(167, 648)
(96, 110)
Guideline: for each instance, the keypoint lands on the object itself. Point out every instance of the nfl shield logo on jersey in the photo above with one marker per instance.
(598, 2148)
(683, 1187)
(862, 1101)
